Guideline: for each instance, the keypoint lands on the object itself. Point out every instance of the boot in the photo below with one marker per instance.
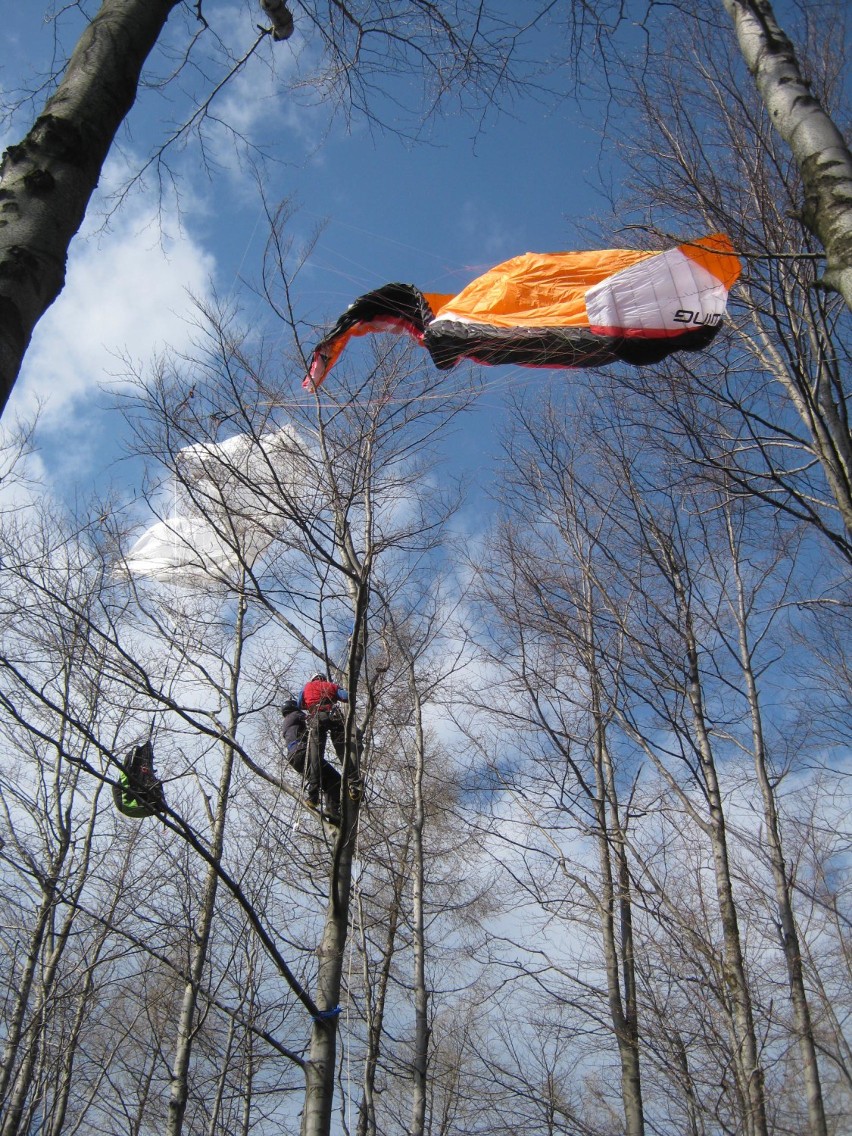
(313, 806)
(331, 812)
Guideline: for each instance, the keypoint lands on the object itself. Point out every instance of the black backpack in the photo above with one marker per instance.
(139, 792)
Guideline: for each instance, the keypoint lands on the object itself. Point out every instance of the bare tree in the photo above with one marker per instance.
(820, 151)
(56, 696)
(628, 593)
(550, 638)
(414, 637)
(743, 602)
(48, 178)
(358, 509)
(769, 408)
(672, 686)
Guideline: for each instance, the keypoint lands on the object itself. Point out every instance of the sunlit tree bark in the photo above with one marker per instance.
(819, 149)
(788, 440)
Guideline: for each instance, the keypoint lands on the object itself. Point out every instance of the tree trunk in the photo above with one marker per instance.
(421, 997)
(319, 1068)
(47, 179)
(201, 937)
(223, 1077)
(201, 940)
(15, 1022)
(783, 890)
(85, 1006)
(47, 946)
(819, 149)
(618, 963)
(749, 1070)
(248, 1085)
(374, 1004)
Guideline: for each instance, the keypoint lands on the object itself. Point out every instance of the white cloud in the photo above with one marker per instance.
(129, 285)
(127, 293)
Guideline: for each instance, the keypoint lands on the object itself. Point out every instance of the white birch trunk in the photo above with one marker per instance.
(420, 1059)
(783, 890)
(749, 1070)
(819, 149)
(223, 1077)
(201, 937)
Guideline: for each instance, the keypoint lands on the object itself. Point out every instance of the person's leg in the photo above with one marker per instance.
(296, 756)
(327, 775)
(330, 780)
(337, 730)
(315, 748)
(331, 792)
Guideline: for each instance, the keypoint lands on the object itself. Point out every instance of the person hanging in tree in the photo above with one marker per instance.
(139, 792)
(318, 776)
(322, 702)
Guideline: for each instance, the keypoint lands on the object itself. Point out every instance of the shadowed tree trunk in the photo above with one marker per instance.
(48, 178)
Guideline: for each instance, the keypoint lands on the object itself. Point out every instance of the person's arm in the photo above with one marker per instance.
(342, 695)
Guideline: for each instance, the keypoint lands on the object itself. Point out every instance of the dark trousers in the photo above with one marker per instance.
(318, 774)
(323, 725)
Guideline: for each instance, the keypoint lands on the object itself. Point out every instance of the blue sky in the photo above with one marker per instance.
(436, 212)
